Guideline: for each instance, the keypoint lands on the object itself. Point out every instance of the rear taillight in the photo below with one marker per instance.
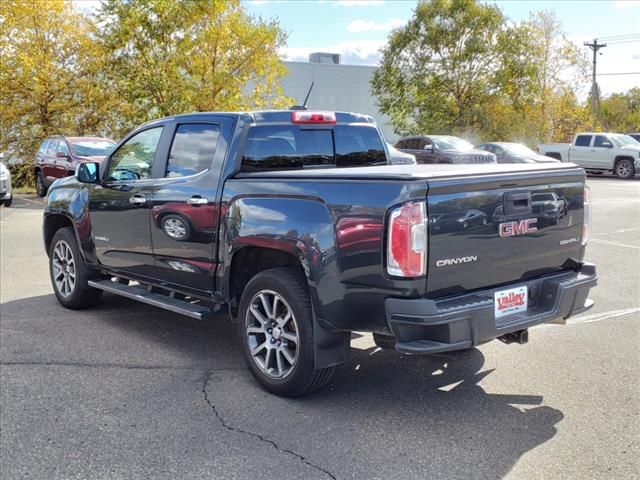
(304, 116)
(587, 215)
(407, 240)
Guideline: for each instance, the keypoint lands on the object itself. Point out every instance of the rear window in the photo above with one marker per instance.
(43, 147)
(283, 147)
(583, 140)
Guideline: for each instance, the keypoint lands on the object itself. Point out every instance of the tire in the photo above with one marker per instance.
(41, 187)
(625, 169)
(176, 227)
(8, 201)
(65, 259)
(385, 342)
(285, 370)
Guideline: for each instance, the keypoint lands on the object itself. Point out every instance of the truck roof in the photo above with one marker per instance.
(267, 116)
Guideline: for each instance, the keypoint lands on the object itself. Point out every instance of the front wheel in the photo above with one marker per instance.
(625, 169)
(69, 275)
(275, 328)
(41, 187)
(8, 201)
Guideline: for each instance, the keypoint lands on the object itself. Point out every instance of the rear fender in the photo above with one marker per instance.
(302, 228)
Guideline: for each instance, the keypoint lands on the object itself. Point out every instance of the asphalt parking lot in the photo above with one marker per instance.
(126, 391)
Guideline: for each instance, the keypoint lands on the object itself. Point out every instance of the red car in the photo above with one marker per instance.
(58, 157)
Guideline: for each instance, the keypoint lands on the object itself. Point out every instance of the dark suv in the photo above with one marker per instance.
(59, 156)
(443, 149)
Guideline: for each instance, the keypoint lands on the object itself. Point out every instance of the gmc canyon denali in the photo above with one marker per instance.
(294, 222)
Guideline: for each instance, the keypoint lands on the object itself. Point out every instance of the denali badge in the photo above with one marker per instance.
(569, 240)
(512, 229)
(445, 262)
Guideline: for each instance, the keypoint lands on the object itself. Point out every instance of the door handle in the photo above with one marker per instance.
(197, 200)
(137, 200)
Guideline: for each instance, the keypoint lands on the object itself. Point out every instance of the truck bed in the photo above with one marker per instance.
(415, 172)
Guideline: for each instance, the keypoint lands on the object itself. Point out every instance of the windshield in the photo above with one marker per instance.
(623, 140)
(92, 148)
(447, 142)
(518, 149)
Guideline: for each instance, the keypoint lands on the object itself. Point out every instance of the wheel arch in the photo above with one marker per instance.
(53, 223)
(329, 347)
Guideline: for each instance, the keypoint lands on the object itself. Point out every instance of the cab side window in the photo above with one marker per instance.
(134, 159)
(52, 148)
(601, 141)
(583, 140)
(62, 147)
(194, 145)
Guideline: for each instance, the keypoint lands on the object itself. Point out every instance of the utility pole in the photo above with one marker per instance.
(596, 110)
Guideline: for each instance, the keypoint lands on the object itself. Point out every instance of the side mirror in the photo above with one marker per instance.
(87, 172)
(61, 155)
(428, 148)
(607, 144)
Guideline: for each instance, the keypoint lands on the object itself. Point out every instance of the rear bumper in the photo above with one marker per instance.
(423, 326)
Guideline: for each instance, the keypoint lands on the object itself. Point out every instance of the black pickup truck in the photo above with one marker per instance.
(294, 222)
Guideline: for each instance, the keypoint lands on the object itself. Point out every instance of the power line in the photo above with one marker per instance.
(620, 73)
(620, 37)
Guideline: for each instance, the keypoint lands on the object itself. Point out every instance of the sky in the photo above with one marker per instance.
(357, 29)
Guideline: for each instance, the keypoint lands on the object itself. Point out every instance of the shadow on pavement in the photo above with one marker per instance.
(384, 415)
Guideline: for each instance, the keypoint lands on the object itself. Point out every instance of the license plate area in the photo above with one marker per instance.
(510, 301)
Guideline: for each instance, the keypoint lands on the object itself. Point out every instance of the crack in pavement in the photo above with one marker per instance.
(116, 365)
(257, 435)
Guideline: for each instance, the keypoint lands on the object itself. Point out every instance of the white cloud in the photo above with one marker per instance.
(259, 2)
(357, 52)
(360, 25)
(626, 4)
(87, 6)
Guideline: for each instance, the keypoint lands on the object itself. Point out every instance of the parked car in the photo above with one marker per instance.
(301, 256)
(59, 156)
(458, 220)
(396, 157)
(598, 153)
(635, 136)
(507, 152)
(443, 149)
(6, 192)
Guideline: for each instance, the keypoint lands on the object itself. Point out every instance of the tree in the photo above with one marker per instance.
(45, 85)
(437, 71)
(169, 57)
(621, 111)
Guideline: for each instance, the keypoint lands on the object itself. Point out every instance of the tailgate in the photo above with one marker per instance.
(492, 230)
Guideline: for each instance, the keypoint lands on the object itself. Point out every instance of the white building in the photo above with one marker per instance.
(336, 87)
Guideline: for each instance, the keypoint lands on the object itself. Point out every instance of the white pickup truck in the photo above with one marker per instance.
(598, 153)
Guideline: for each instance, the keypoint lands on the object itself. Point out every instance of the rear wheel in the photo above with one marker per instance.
(275, 327)
(41, 188)
(625, 169)
(69, 275)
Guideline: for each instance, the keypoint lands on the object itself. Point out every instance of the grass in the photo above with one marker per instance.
(24, 190)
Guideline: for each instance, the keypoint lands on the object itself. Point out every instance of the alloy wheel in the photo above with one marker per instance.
(623, 169)
(64, 268)
(272, 334)
(175, 228)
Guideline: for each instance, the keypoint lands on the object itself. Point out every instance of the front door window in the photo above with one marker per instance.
(134, 159)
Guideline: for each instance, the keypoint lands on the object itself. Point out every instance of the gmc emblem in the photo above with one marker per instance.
(513, 229)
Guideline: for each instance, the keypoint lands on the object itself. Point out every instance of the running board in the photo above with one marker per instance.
(141, 294)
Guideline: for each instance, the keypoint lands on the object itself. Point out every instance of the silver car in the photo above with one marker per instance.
(6, 194)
